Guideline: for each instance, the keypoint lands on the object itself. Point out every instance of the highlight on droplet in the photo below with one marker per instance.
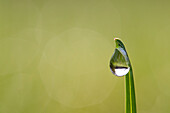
(119, 71)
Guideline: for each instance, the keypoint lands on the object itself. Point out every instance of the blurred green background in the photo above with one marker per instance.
(54, 55)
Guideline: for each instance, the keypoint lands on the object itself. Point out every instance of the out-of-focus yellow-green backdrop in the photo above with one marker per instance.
(54, 55)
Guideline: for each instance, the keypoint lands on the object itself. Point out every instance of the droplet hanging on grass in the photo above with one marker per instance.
(120, 66)
(119, 63)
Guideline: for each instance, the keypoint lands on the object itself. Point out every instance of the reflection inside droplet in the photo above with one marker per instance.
(119, 64)
(120, 71)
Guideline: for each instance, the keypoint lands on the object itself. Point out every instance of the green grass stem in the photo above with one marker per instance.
(120, 60)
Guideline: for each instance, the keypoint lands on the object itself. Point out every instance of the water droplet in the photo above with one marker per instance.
(119, 64)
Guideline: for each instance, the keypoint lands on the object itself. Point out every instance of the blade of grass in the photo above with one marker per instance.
(129, 81)
(128, 98)
(130, 91)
